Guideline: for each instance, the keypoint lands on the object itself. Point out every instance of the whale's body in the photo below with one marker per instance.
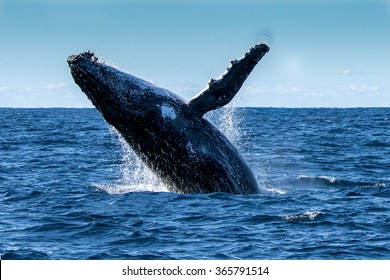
(168, 134)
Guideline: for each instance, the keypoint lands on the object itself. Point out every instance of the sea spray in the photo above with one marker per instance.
(229, 124)
(135, 176)
(228, 121)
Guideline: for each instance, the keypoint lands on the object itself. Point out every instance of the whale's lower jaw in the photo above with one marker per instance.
(105, 101)
(92, 89)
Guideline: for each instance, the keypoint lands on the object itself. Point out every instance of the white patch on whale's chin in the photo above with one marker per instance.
(168, 112)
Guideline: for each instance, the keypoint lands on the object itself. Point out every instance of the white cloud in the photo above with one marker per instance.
(186, 91)
(53, 86)
(351, 72)
(346, 72)
(290, 95)
(363, 88)
(288, 89)
(3, 88)
(253, 90)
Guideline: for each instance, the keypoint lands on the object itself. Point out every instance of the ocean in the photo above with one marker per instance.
(72, 189)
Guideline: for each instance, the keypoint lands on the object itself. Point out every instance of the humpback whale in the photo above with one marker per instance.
(171, 136)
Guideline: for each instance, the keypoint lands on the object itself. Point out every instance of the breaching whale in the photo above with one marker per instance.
(168, 134)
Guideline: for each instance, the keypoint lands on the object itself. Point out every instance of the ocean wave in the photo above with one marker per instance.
(329, 181)
(123, 189)
(275, 190)
(377, 144)
(24, 254)
(305, 217)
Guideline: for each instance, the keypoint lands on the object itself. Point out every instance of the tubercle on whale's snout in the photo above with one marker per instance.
(75, 59)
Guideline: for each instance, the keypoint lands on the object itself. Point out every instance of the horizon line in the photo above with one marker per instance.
(242, 107)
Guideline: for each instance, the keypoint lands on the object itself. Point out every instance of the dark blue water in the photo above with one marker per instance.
(70, 189)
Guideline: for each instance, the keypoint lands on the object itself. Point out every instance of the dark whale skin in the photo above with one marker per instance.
(171, 136)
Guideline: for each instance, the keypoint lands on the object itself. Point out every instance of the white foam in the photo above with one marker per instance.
(308, 215)
(123, 189)
(331, 180)
(275, 190)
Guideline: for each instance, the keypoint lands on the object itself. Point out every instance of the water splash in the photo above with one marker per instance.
(273, 190)
(264, 183)
(228, 122)
(135, 176)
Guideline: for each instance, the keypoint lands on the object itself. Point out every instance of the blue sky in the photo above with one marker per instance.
(323, 53)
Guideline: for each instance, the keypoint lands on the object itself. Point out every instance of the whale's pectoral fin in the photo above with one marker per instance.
(221, 91)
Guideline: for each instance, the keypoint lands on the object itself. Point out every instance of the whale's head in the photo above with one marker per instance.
(120, 97)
